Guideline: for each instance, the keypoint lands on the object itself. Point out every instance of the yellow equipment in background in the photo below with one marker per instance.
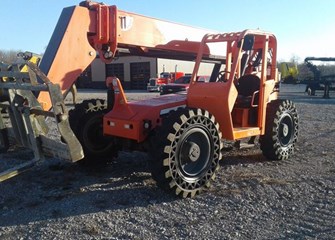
(27, 56)
(20, 64)
(23, 68)
(289, 72)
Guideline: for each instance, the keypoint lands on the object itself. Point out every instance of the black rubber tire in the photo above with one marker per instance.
(86, 123)
(4, 140)
(185, 152)
(281, 132)
(90, 105)
(310, 91)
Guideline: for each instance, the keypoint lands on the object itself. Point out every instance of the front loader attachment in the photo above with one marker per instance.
(24, 121)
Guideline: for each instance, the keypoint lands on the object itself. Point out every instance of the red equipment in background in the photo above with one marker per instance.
(155, 84)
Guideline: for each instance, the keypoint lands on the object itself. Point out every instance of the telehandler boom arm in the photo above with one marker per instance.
(93, 27)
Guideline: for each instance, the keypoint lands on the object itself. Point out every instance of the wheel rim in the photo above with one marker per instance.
(194, 153)
(286, 128)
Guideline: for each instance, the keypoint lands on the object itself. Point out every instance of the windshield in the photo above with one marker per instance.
(164, 75)
(183, 80)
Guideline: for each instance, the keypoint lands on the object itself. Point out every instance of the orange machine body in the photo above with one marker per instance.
(83, 31)
(135, 120)
(218, 98)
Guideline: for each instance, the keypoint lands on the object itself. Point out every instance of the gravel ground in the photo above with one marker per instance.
(252, 198)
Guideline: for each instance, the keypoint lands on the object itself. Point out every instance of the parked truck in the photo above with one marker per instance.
(289, 72)
(183, 134)
(155, 84)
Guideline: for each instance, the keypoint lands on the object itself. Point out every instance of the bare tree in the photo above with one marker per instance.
(8, 56)
(295, 59)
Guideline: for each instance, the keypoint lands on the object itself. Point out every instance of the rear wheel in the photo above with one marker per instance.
(310, 91)
(86, 121)
(185, 152)
(281, 132)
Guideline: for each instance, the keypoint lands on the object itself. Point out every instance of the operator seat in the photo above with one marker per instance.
(247, 87)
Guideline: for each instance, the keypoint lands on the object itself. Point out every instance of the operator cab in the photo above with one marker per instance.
(241, 84)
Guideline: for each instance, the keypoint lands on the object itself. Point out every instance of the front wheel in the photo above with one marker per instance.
(185, 152)
(281, 131)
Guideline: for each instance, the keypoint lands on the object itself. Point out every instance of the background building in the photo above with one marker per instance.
(134, 72)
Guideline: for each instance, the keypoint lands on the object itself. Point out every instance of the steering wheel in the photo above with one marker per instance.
(221, 76)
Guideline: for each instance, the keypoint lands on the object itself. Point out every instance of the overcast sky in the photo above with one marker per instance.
(303, 27)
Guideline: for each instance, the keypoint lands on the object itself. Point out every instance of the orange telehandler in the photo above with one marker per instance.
(184, 133)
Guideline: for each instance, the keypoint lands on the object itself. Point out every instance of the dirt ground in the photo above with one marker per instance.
(252, 197)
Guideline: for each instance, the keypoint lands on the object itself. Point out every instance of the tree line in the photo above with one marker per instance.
(8, 56)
